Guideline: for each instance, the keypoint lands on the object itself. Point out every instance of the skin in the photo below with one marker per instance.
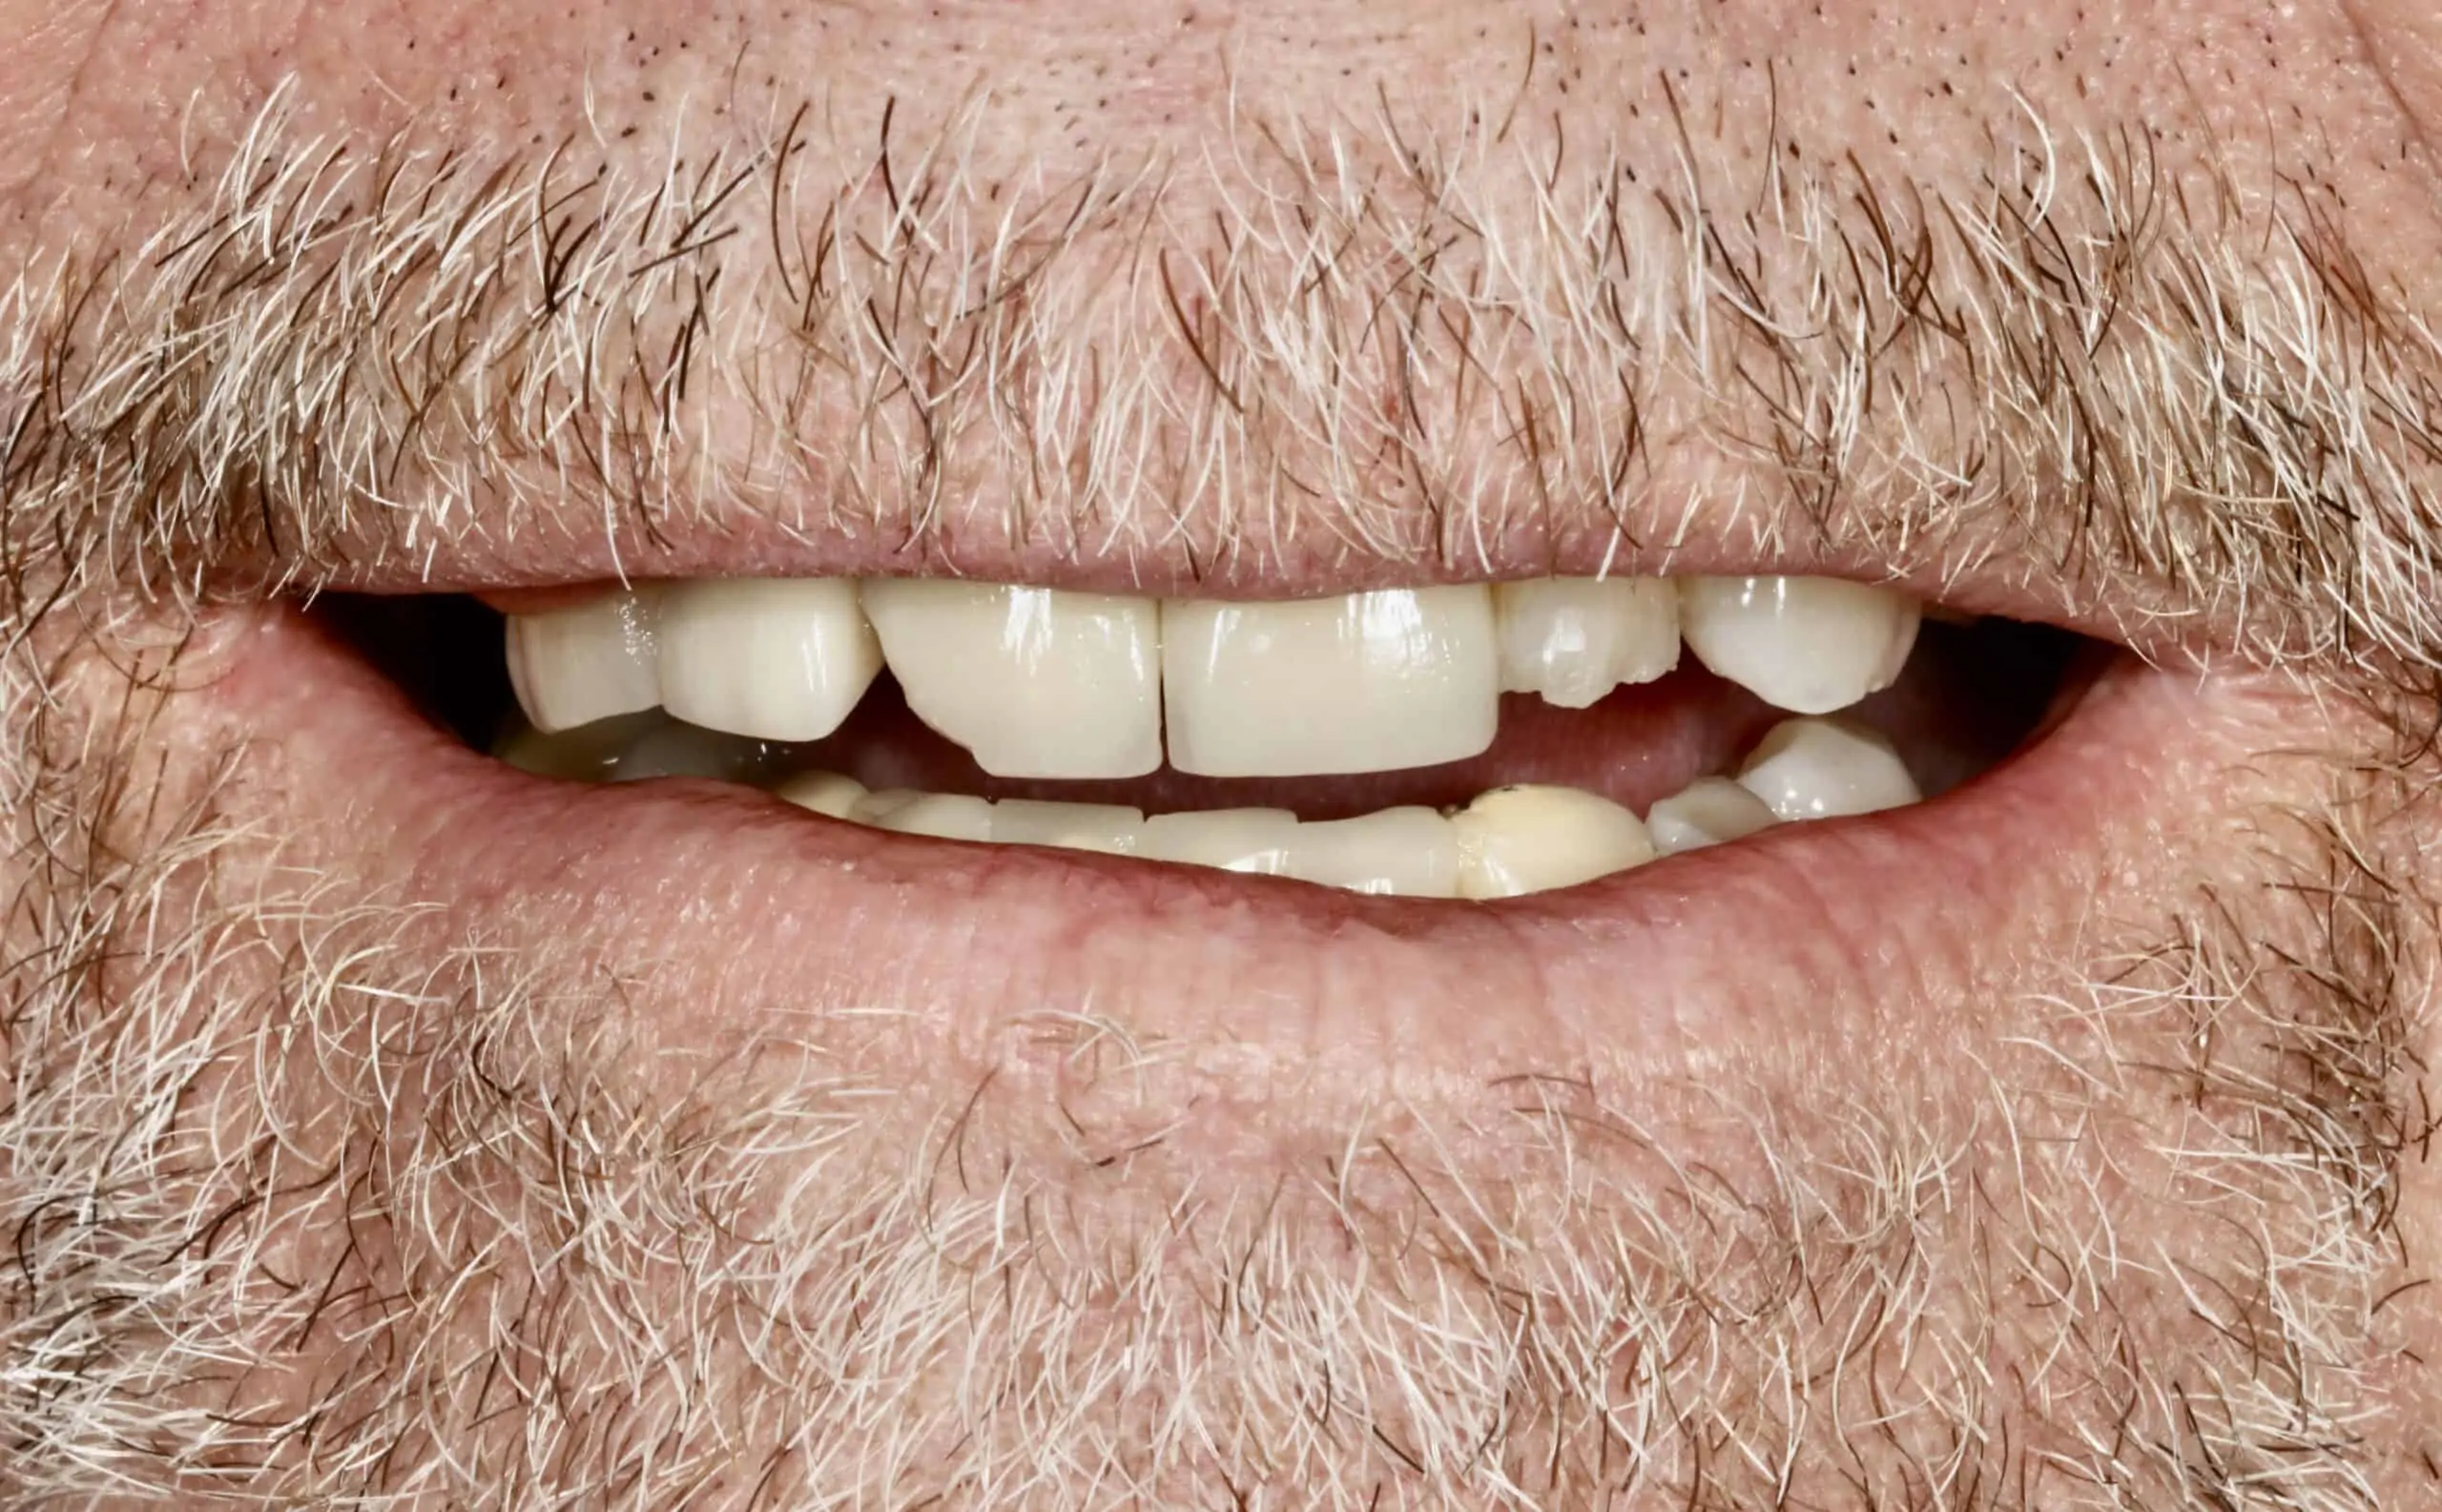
(2080, 1159)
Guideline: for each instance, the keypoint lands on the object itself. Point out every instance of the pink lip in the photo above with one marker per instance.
(743, 911)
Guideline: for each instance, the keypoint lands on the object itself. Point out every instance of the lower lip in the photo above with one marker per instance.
(743, 914)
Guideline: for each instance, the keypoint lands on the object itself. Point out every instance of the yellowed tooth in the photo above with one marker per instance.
(1532, 839)
(778, 657)
(1574, 639)
(1109, 828)
(942, 816)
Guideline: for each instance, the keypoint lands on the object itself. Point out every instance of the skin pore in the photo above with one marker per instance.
(350, 1154)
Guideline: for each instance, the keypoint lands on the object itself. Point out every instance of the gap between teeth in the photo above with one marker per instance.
(1044, 683)
(1507, 842)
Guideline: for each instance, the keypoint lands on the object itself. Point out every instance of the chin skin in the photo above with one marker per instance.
(384, 1125)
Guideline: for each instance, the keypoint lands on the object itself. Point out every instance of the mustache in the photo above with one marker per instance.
(2174, 398)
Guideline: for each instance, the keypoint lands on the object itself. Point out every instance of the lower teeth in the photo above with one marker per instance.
(1506, 842)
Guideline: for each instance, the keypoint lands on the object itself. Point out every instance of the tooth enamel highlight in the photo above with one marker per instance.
(1574, 639)
(1366, 682)
(1815, 769)
(1232, 840)
(1106, 827)
(1412, 852)
(1035, 682)
(1532, 839)
(589, 661)
(1709, 811)
(781, 659)
(826, 792)
(1809, 645)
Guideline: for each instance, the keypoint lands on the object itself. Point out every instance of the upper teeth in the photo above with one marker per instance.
(1045, 683)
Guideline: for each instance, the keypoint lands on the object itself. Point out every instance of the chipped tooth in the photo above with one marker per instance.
(825, 792)
(1363, 682)
(1109, 828)
(777, 657)
(1709, 811)
(1035, 682)
(587, 662)
(1405, 852)
(1532, 839)
(1574, 639)
(1233, 840)
(1817, 769)
(1809, 645)
(942, 816)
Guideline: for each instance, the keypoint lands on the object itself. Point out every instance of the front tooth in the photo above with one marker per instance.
(1574, 639)
(1233, 840)
(1408, 852)
(784, 659)
(825, 792)
(1106, 827)
(589, 661)
(1365, 682)
(942, 816)
(1709, 811)
(1818, 769)
(1809, 645)
(1532, 839)
(1034, 681)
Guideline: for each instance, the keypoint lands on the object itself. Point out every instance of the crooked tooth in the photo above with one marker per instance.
(777, 657)
(1709, 811)
(587, 662)
(1531, 838)
(1574, 639)
(1817, 769)
(1809, 645)
(1365, 682)
(826, 792)
(1111, 828)
(1232, 840)
(1035, 682)
(1409, 852)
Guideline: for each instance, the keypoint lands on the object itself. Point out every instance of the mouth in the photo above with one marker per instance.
(1460, 741)
(1394, 807)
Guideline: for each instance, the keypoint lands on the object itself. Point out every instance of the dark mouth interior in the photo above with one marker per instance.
(1973, 694)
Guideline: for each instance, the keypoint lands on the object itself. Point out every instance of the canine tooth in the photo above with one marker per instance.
(780, 657)
(826, 792)
(1574, 639)
(1809, 645)
(1233, 840)
(1709, 811)
(1035, 681)
(1109, 828)
(943, 815)
(1532, 839)
(1406, 852)
(1817, 768)
(1364, 682)
(587, 662)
